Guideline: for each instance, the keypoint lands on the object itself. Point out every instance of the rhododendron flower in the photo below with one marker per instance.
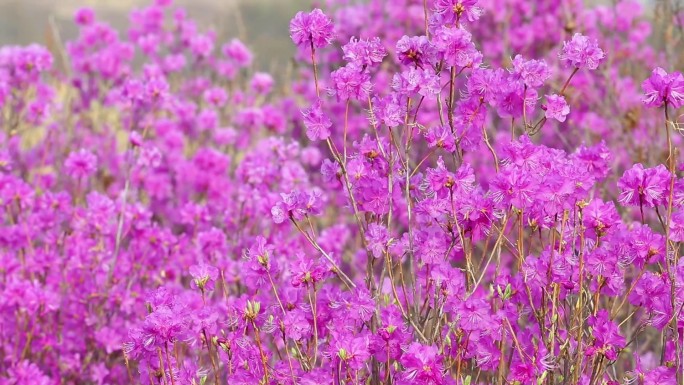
(351, 351)
(26, 372)
(607, 338)
(582, 52)
(458, 10)
(311, 28)
(640, 186)
(445, 233)
(455, 46)
(423, 365)
(203, 276)
(351, 82)
(216, 96)
(81, 164)
(316, 122)
(556, 108)
(415, 50)
(441, 137)
(378, 240)
(238, 52)
(84, 16)
(308, 271)
(661, 88)
(364, 52)
(533, 72)
(677, 227)
(262, 83)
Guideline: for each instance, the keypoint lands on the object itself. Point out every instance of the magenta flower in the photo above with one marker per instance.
(203, 276)
(677, 227)
(607, 338)
(307, 271)
(262, 83)
(215, 96)
(600, 216)
(456, 47)
(365, 52)
(533, 72)
(422, 365)
(453, 11)
(80, 164)
(388, 110)
(296, 205)
(641, 186)
(84, 16)
(26, 372)
(415, 50)
(441, 137)
(316, 122)
(661, 88)
(391, 335)
(556, 107)
(378, 239)
(311, 28)
(351, 351)
(296, 325)
(582, 52)
(238, 52)
(351, 82)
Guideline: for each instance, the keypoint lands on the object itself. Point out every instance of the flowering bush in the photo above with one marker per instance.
(446, 192)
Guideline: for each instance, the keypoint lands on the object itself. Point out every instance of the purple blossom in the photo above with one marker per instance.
(582, 52)
(364, 52)
(640, 186)
(454, 11)
(556, 107)
(416, 50)
(455, 46)
(81, 164)
(661, 88)
(423, 365)
(316, 121)
(203, 276)
(351, 82)
(311, 28)
(533, 72)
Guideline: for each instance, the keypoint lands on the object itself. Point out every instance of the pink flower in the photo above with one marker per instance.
(641, 186)
(581, 52)
(607, 338)
(84, 16)
(238, 52)
(81, 164)
(556, 107)
(367, 52)
(351, 82)
(423, 364)
(316, 122)
(416, 50)
(533, 72)
(458, 10)
(307, 271)
(661, 88)
(203, 276)
(456, 47)
(262, 83)
(312, 28)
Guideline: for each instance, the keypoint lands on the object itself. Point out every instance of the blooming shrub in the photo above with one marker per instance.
(446, 192)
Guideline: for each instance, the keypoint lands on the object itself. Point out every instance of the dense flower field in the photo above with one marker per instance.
(435, 192)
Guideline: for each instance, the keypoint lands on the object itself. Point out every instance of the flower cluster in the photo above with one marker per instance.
(446, 192)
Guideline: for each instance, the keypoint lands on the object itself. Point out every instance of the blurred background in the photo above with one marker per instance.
(262, 24)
